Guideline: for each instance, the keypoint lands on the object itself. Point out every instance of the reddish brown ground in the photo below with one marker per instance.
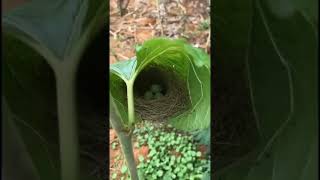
(115, 165)
(202, 148)
(145, 19)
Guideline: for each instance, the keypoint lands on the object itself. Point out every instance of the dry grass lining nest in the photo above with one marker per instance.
(175, 97)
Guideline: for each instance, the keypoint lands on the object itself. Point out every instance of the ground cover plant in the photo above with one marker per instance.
(162, 152)
(172, 155)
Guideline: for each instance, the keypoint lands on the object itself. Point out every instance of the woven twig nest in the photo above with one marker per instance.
(175, 95)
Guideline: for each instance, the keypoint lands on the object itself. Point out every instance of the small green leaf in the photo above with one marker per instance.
(114, 145)
(173, 175)
(154, 176)
(141, 158)
(114, 175)
(159, 173)
(124, 169)
(198, 154)
(152, 153)
(138, 47)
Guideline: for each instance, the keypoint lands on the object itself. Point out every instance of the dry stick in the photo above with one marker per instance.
(122, 56)
(135, 25)
(160, 18)
(135, 34)
(113, 34)
(183, 8)
(208, 41)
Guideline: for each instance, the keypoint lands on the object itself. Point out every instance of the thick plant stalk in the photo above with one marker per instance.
(130, 103)
(127, 149)
(69, 148)
(125, 137)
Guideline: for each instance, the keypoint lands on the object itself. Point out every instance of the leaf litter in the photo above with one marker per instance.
(146, 19)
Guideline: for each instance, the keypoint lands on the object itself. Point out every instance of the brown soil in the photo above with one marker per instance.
(116, 159)
(202, 148)
(145, 19)
(116, 164)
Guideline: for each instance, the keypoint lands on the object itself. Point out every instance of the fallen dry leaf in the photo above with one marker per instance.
(144, 21)
(143, 35)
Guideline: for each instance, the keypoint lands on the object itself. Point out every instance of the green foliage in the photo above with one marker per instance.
(204, 25)
(35, 24)
(114, 176)
(203, 136)
(172, 155)
(124, 169)
(191, 64)
(278, 43)
(40, 139)
(114, 145)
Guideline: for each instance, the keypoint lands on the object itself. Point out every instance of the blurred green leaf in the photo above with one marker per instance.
(58, 32)
(41, 139)
(124, 169)
(282, 71)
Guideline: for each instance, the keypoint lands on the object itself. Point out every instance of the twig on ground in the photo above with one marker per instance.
(135, 34)
(208, 42)
(122, 56)
(113, 34)
(183, 8)
(160, 17)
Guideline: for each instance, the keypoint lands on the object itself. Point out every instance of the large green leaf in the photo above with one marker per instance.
(189, 63)
(59, 32)
(14, 154)
(60, 29)
(41, 139)
(281, 56)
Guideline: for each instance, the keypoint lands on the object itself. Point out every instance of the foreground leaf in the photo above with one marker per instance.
(282, 73)
(59, 32)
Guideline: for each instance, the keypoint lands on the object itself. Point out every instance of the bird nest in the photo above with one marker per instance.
(175, 94)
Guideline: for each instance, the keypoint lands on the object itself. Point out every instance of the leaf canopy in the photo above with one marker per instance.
(189, 63)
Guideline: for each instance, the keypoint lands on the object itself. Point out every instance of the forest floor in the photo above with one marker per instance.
(117, 165)
(146, 19)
